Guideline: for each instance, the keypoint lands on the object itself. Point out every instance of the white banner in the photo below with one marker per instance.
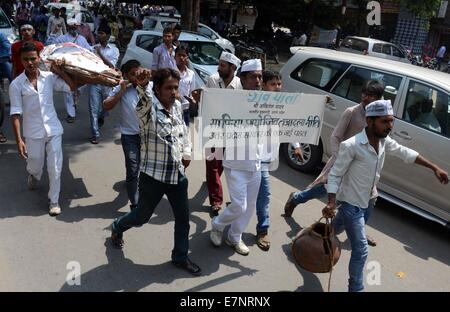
(235, 116)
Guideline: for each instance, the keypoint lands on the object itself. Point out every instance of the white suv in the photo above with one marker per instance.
(421, 102)
(159, 22)
(204, 53)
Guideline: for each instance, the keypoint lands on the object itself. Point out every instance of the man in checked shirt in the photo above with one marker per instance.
(165, 154)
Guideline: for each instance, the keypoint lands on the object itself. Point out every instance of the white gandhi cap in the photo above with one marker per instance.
(379, 108)
(230, 58)
(251, 65)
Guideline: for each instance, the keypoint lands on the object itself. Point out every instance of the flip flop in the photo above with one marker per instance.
(3, 138)
(263, 242)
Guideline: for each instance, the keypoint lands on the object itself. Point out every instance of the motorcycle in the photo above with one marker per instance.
(417, 60)
(430, 62)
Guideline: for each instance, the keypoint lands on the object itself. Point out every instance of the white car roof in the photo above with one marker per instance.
(369, 39)
(421, 73)
(184, 36)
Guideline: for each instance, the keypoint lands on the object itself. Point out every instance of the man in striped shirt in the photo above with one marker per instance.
(165, 153)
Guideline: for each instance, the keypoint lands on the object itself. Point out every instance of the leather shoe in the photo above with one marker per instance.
(189, 266)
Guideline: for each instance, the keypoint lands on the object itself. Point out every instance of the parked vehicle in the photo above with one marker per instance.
(431, 63)
(417, 60)
(373, 47)
(204, 53)
(421, 104)
(7, 27)
(159, 22)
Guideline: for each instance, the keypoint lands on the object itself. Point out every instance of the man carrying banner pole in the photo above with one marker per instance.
(243, 178)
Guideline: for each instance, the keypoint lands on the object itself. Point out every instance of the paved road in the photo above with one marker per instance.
(35, 249)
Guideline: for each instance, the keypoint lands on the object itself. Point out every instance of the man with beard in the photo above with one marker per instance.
(224, 79)
(355, 173)
(73, 36)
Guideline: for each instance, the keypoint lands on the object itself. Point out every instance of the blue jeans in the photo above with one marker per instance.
(131, 145)
(5, 70)
(150, 193)
(316, 191)
(262, 203)
(95, 108)
(186, 117)
(319, 190)
(351, 219)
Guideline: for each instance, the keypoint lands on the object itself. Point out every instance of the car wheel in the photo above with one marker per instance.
(312, 156)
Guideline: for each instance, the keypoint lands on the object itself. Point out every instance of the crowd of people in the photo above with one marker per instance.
(155, 107)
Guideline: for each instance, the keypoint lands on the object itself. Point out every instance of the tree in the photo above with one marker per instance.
(190, 14)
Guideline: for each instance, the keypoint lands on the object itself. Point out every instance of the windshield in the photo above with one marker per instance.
(4, 22)
(204, 53)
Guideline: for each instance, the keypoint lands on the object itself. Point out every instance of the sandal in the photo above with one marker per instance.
(2, 138)
(93, 140)
(263, 242)
(117, 241)
(215, 210)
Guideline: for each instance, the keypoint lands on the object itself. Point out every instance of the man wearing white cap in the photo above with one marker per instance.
(73, 36)
(355, 173)
(243, 177)
(224, 79)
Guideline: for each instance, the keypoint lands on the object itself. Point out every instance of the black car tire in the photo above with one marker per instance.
(311, 153)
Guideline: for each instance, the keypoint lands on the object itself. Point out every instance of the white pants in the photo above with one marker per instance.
(243, 187)
(36, 149)
(70, 104)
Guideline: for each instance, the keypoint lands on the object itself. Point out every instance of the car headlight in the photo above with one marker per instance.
(12, 38)
(203, 75)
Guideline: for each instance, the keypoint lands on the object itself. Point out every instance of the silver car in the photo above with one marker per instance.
(421, 101)
(373, 47)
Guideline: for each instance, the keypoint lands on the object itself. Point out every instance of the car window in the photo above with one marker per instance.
(148, 42)
(203, 53)
(351, 84)
(427, 107)
(396, 52)
(377, 48)
(149, 23)
(164, 24)
(355, 44)
(386, 49)
(4, 22)
(207, 32)
(319, 73)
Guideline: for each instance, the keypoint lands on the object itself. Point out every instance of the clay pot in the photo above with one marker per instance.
(317, 248)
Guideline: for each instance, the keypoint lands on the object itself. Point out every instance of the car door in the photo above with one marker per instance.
(398, 55)
(143, 49)
(347, 92)
(423, 124)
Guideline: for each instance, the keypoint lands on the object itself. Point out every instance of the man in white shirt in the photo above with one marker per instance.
(72, 36)
(355, 173)
(31, 95)
(97, 93)
(224, 79)
(187, 81)
(243, 178)
(126, 96)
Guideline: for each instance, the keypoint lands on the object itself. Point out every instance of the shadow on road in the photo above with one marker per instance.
(122, 274)
(310, 281)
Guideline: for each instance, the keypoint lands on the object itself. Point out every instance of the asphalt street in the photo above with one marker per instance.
(36, 250)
